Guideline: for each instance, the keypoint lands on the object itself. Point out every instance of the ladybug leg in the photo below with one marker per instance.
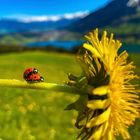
(31, 81)
(25, 76)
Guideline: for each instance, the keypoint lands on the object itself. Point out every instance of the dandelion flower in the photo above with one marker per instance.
(109, 103)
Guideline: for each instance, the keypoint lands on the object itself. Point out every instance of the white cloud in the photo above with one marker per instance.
(76, 15)
(29, 18)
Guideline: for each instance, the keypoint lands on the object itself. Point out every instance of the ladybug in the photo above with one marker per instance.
(32, 75)
(34, 78)
(29, 71)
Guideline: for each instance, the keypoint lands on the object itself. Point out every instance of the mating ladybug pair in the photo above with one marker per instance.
(32, 75)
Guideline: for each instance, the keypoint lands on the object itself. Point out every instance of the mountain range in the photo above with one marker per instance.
(119, 16)
(113, 14)
(17, 26)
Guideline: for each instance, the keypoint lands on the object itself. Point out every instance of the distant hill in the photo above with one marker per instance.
(111, 14)
(16, 26)
(20, 32)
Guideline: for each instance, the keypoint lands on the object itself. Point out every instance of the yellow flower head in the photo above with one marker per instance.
(109, 103)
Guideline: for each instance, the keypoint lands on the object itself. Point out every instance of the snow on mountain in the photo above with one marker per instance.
(133, 3)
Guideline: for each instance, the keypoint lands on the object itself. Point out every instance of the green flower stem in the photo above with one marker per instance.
(13, 83)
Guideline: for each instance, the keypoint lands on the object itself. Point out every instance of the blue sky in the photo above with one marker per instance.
(13, 8)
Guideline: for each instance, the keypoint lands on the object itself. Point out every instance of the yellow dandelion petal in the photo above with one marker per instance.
(93, 50)
(102, 90)
(109, 136)
(99, 119)
(97, 135)
(98, 104)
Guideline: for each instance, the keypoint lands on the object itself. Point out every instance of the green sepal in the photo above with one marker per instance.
(79, 104)
(78, 82)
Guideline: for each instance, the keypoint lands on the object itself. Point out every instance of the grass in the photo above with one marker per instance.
(27, 114)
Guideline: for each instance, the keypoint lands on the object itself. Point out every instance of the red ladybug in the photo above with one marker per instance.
(32, 75)
(34, 78)
(29, 71)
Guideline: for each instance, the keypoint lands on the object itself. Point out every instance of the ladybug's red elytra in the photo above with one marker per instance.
(32, 75)
(34, 78)
(29, 71)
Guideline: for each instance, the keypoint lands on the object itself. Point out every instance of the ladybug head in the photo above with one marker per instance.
(35, 71)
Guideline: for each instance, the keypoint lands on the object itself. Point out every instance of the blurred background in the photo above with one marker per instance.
(46, 35)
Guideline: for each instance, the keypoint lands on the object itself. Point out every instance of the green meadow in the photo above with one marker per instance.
(27, 114)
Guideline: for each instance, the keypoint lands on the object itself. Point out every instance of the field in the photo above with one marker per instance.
(27, 114)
